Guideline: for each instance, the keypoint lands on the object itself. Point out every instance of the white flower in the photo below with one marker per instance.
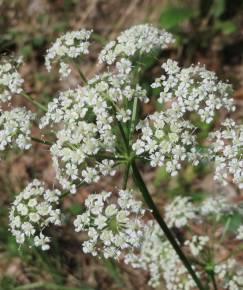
(15, 128)
(124, 66)
(64, 70)
(123, 115)
(106, 167)
(42, 241)
(10, 81)
(136, 40)
(90, 174)
(70, 45)
(32, 211)
(111, 227)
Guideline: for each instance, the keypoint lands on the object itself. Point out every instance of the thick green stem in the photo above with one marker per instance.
(214, 281)
(34, 102)
(149, 201)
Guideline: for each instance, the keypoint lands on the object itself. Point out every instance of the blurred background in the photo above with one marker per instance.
(207, 31)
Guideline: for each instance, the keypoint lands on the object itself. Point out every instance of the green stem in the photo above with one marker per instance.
(149, 201)
(225, 229)
(123, 135)
(214, 281)
(49, 286)
(36, 139)
(81, 74)
(110, 157)
(34, 102)
(125, 180)
(133, 120)
(65, 193)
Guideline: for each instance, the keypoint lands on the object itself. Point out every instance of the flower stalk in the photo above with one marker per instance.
(38, 140)
(81, 74)
(34, 102)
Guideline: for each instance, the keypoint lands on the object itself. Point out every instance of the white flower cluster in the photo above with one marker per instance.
(74, 153)
(135, 41)
(179, 212)
(80, 139)
(159, 258)
(216, 207)
(193, 89)
(230, 274)
(150, 252)
(32, 211)
(10, 81)
(87, 117)
(69, 46)
(227, 149)
(167, 140)
(15, 127)
(117, 87)
(112, 227)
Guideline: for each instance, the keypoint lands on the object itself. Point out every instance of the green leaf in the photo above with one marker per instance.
(76, 208)
(173, 16)
(60, 26)
(218, 8)
(198, 196)
(7, 283)
(235, 222)
(227, 27)
(38, 40)
(26, 51)
(232, 221)
(149, 59)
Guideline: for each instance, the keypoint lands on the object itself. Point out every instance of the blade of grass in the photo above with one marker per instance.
(50, 286)
(114, 272)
